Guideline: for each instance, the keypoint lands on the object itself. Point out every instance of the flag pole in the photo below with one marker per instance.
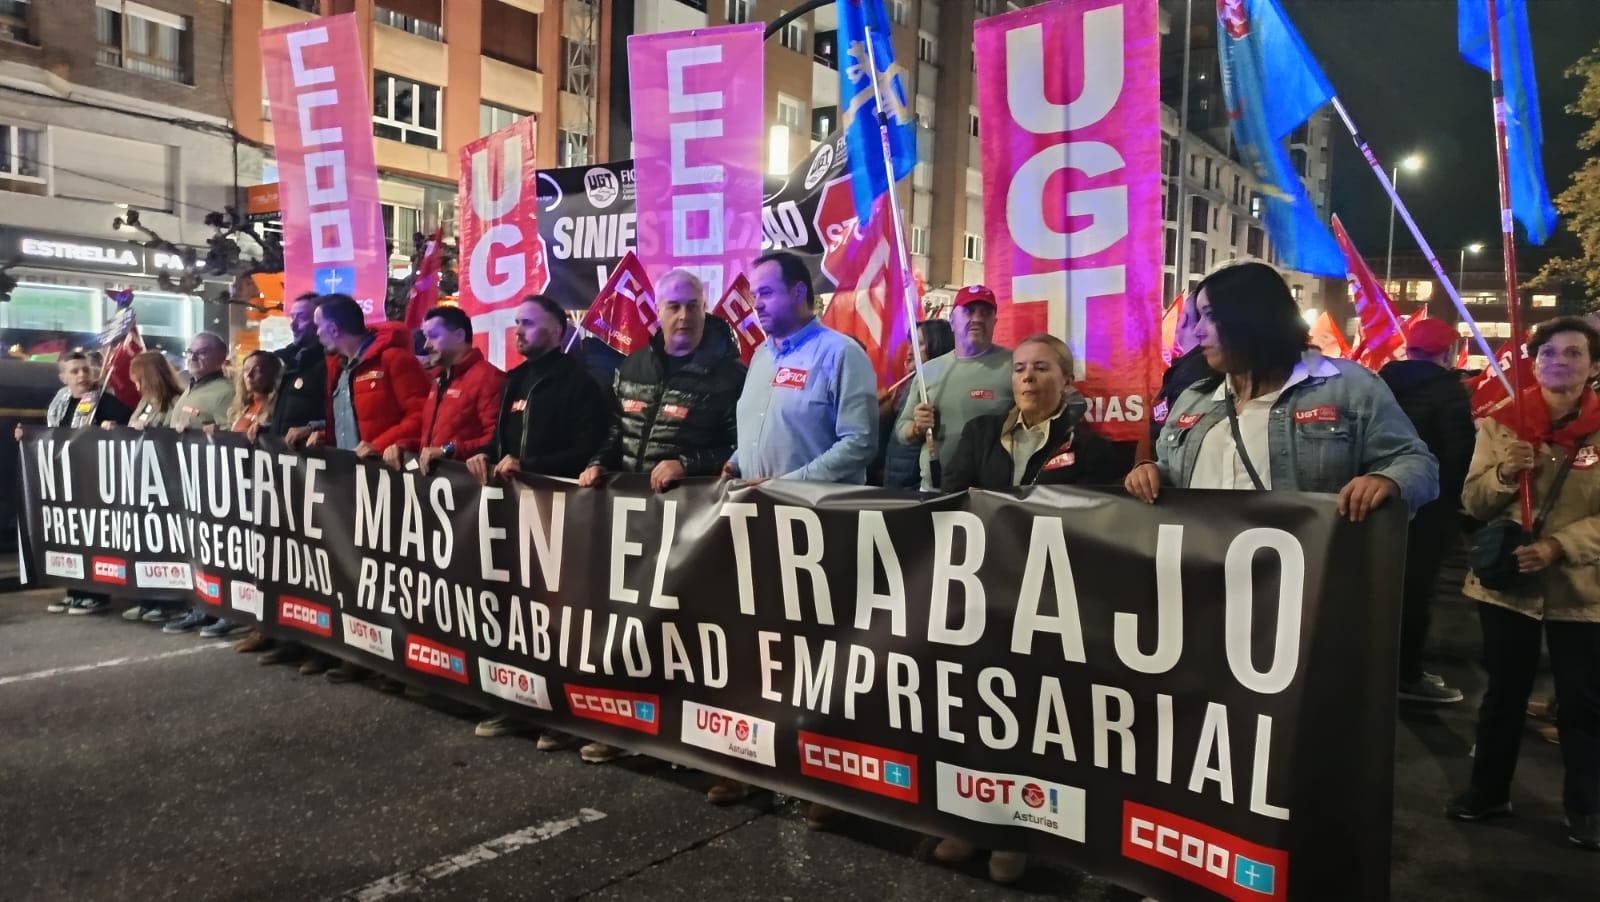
(901, 252)
(1181, 214)
(1508, 245)
(1416, 232)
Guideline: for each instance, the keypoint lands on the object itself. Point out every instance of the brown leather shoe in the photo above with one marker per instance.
(256, 641)
(727, 792)
(822, 817)
(952, 851)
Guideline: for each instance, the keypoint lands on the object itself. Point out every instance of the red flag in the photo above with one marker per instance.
(46, 351)
(1169, 328)
(118, 381)
(1328, 338)
(424, 293)
(869, 287)
(1381, 338)
(738, 308)
(623, 315)
(1488, 392)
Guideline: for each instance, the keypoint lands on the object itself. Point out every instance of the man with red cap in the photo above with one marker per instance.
(1432, 395)
(972, 381)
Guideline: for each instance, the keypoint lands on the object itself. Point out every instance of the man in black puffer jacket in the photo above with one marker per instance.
(1431, 394)
(302, 395)
(676, 397)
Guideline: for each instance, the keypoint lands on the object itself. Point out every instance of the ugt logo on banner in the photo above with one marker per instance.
(1072, 191)
(503, 257)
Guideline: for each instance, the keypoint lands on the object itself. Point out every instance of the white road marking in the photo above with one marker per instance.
(110, 662)
(410, 881)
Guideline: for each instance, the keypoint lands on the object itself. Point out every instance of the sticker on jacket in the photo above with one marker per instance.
(519, 405)
(1325, 413)
(789, 377)
(1159, 414)
(1065, 457)
(982, 394)
(374, 376)
(1586, 458)
(1188, 420)
(633, 405)
(674, 411)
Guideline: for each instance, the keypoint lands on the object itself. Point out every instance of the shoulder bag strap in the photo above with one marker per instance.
(1550, 499)
(1238, 444)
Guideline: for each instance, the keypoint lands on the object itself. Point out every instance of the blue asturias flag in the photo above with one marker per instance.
(1530, 198)
(859, 106)
(1272, 85)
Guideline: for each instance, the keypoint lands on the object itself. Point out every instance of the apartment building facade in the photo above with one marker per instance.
(111, 110)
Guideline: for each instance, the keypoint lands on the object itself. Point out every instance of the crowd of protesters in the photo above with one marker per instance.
(1247, 405)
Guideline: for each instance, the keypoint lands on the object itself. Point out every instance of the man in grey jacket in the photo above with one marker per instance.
(210, 393)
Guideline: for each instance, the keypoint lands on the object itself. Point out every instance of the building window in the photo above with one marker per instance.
(794, 35)
(572, 148)
(400, 224)
(492, 118)
(577, 66)
(825, 49)
(924, 108)
(927, 48)
(1171, 257)
(1233, 230)
(792, 113)
(972, 123)
(824, 119)
(1255, 205)
(899, 11)
(1253, 242)
(984, 7)
(972, 248)
(919, 240)
(422, 28)
(143, 40)
(1199, 214)
(405, 111)
(19, 154)
(14, 21)
(1197, 255)
(510, 35)
(738, 12)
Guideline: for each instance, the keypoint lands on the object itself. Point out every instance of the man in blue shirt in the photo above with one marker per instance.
(809, 409)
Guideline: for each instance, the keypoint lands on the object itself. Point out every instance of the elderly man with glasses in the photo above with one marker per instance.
(204, 403)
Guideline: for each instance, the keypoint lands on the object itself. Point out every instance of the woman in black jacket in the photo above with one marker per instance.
(1042, 441)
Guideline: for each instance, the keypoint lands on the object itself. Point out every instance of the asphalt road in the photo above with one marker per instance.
(135, 765)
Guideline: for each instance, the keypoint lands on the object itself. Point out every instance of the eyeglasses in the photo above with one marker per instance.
(194, 353)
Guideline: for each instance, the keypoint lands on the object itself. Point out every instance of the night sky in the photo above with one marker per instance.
(1395, 65)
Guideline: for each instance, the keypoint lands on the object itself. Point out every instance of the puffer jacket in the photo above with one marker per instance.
(302, 396)
(1334, 421)
(388, 388)
(1569, 590)
(688, 415)
(1070, 455)
(463, 406)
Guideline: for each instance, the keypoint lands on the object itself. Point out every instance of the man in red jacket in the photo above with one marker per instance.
(459, 417)
(376, 387)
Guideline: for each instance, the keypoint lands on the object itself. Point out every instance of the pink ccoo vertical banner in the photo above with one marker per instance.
(327, 176)
(1069, 95)
(698, 114)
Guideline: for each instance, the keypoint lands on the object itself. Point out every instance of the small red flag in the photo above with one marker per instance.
(1328, 338)
(424, 294)
(738, 308)
(1381, 338)
(115, 374)
(623, 314)
(1169, 328)
(1489, 394)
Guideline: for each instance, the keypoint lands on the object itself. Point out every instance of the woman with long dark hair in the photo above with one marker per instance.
(1279, 415)
(1557, 442)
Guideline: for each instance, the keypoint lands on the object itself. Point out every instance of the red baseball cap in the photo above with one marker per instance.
(975, 294)
(1430, 337)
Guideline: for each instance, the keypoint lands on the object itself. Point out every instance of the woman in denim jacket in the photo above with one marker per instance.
(1307, 423)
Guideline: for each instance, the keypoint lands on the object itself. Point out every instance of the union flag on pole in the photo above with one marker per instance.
(623, 314)
(738, 308)
(424, 293)
(1328, 338)
(1381, 337)
(122, 342)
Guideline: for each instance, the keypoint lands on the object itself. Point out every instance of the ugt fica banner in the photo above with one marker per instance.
(327, 175)
(1072, 192)
(698, 114)
(1193, 698)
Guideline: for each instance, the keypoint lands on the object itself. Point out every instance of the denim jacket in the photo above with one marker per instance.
(1334, 421)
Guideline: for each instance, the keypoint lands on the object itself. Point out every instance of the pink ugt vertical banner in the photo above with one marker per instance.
(1069, 95)
(502, 254)
(698, 113)
(327, 176)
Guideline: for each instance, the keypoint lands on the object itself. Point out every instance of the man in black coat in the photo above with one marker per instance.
(1431, 393)
(302, 396)
(674, 413)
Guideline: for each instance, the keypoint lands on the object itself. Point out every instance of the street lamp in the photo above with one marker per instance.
(1412, 163)
(1474, 248)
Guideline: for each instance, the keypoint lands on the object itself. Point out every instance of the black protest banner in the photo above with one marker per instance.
(1194, 698)
(588, 218)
